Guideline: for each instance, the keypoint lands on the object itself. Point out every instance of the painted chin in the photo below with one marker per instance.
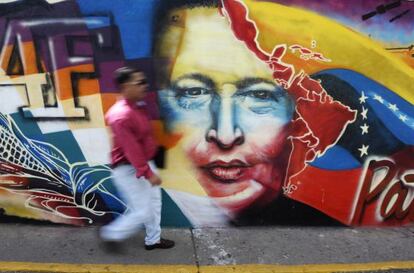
(239, 201)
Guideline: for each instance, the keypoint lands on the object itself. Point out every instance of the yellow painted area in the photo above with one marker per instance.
(347, 49)
(406, 56)
(14, 204)
(250, 268)
(96, 116)
(226, 61)
(180, 174)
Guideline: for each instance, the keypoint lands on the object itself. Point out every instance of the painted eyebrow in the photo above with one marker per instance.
(196, 76)
(247, 82)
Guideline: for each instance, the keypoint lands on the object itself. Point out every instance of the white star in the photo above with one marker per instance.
(363, 150)
(403, 118)
(364, 113)
(393, 107)
(363, 98)
(378, 98)
(364, 128)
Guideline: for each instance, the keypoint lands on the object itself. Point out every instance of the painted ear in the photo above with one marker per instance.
(177, 18)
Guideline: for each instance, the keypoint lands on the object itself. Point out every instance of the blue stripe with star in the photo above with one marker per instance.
(384, 123)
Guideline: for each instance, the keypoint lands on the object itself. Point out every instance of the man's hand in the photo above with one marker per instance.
(155, 180)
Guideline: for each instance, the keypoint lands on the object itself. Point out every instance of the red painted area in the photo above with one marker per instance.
(336, 193)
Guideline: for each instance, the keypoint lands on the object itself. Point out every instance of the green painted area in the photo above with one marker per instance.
(171, 215)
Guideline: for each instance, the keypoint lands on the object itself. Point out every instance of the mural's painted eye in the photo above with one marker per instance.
(191, 98)
(260, 94)
(192, 92)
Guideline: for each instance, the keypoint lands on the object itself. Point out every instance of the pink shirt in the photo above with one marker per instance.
(133, 141)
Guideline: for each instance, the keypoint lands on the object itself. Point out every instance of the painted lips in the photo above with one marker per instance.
(226, 172)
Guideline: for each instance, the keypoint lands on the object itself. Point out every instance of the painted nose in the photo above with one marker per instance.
(225, 132)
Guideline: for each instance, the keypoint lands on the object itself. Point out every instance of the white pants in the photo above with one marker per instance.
(143, 207)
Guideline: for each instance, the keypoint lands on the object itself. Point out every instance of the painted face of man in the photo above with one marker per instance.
(233, 118)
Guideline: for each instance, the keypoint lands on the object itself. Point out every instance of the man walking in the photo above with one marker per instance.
(134, 174)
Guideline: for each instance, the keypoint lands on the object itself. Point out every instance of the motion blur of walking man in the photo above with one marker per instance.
(134, 173)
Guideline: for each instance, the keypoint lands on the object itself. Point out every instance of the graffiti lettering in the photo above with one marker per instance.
(23, 57)
(395, 189)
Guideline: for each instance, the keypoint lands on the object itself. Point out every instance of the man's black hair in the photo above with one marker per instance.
(123, 74)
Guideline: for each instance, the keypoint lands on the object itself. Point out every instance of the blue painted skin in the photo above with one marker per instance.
(201, 106)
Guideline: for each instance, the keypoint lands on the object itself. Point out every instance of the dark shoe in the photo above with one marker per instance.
(163, 244)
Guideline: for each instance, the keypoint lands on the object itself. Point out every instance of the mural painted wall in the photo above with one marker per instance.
(270, 112)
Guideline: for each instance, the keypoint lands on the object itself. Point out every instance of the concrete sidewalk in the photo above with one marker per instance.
(54, 248)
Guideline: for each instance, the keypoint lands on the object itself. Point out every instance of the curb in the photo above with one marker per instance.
(249, 268)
